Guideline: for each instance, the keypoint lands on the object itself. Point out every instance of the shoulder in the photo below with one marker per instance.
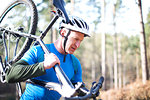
(77, 70)
(34, 54)
(74, 58)
(76, 63)
(38, 48)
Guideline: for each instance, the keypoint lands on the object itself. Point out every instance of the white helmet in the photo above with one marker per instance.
(76, 24)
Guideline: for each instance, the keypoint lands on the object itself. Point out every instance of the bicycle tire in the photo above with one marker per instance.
(32, 27)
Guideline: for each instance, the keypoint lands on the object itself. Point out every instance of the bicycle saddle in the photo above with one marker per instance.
(60, 5)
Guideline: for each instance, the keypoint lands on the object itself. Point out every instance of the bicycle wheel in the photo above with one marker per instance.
(20, 15)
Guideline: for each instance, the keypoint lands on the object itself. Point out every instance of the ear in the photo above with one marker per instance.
(63, 32)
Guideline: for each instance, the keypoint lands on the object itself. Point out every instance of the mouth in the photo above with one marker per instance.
(73, 49)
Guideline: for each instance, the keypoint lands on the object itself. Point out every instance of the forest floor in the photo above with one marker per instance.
(133, 91)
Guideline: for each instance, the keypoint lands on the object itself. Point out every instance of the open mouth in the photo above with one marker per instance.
(73, 49)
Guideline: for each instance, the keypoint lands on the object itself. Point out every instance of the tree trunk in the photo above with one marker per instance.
(93, 70)
(93, 61)
(72, 6)
(124, 75)
(137, 67)
(119, 62)
(103, 43)
(115, 50)
(111, 76)
(51, 16)
(145, 72)
(115, 63)
(54, 35)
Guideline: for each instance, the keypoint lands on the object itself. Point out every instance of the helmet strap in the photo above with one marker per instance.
(65, 41)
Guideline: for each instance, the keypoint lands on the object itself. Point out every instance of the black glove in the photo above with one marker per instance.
(93, 87)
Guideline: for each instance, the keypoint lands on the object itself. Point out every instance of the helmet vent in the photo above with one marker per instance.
(71, 23)
(82, 23)
(86, 25)
(77, 23)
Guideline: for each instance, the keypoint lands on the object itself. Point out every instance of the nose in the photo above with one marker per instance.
(78, 44)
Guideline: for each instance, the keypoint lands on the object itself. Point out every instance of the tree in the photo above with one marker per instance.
(72, 6)
(144, 63)
(147, 32)
(116, 6)
(115, 48)
(103, 42)
(119, 61)
(45, 16)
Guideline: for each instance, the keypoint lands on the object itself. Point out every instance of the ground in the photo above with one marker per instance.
(133, 91)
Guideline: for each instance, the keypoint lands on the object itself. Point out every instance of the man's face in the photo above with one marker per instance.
(74, 41)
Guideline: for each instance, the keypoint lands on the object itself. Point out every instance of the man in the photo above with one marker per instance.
(35, 64)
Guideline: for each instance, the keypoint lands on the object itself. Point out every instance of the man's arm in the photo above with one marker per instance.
(21, 71)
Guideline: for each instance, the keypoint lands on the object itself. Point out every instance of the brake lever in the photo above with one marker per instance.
(96, 88)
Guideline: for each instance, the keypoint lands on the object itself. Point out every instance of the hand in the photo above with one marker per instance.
(50, 60)
(97, 93)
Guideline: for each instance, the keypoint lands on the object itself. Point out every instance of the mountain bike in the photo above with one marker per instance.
(17, 32)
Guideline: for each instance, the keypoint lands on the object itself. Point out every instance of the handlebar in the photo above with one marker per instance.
(92, 92)
(99, 85)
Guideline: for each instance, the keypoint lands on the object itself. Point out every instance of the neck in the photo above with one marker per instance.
(58, 45)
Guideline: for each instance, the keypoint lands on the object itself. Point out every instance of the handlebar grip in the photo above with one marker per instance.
(101, 80)
(99, 85)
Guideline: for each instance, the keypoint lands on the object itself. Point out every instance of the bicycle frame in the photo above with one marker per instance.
(60, 73)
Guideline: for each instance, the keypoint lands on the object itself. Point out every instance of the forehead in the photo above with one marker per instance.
(76, 34)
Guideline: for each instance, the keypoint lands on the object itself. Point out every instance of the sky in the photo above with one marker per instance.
(126, 22)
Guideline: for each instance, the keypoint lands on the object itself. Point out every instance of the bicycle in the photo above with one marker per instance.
(26, 33)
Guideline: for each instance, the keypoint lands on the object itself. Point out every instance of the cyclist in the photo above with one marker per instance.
(35, 64)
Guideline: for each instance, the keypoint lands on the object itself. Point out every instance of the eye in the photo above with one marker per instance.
(75, 38)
